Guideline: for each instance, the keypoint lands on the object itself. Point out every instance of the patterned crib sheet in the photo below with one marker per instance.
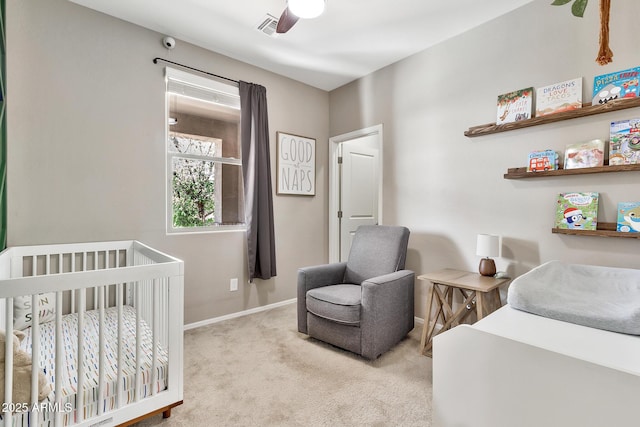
(91, 349)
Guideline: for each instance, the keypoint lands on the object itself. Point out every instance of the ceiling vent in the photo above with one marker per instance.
(268, 25)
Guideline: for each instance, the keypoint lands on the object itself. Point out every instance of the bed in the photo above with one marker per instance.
(515, 367)
(106, 304)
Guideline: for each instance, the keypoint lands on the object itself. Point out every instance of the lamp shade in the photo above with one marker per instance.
(488, 245)
(306, 9)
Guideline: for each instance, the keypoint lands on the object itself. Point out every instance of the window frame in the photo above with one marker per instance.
(211, 85)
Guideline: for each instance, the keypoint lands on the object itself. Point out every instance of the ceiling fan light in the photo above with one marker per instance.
(306, 9)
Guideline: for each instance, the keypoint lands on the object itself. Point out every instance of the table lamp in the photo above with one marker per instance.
(487, 246)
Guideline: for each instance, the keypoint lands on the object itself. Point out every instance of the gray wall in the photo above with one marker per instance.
(86, 150)
(448, 188)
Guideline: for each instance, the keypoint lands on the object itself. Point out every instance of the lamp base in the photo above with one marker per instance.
(487, 267)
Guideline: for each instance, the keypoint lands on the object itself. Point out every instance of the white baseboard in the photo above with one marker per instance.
(417, 320)
(238, 314)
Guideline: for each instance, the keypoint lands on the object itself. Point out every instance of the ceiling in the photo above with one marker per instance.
(351, 39)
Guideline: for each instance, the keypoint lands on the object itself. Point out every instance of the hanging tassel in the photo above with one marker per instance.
(605, 55)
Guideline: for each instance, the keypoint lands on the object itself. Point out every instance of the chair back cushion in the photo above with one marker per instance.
(376, 250)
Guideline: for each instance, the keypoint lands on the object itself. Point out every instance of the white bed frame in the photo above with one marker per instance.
(517, 369)
(87, 275)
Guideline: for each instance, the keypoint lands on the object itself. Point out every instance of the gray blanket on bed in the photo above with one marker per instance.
(600, 297)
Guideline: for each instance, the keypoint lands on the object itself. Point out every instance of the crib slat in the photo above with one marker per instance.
(59, 347)
(73, 302)
(101, 347)
(165, 312)
(138, 377)
(8, 360)
(35, 352)
(80, 368)
(154, 337)
(119, 388)
(95, 289)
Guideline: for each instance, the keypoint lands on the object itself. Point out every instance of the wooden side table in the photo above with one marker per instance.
(475, 290)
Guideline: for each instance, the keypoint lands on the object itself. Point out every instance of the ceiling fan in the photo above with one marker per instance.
(296, 9)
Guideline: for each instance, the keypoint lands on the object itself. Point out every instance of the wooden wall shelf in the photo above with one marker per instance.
(521, 173)
(586, 110)
(603, 229)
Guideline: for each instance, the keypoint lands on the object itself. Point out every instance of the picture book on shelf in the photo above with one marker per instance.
(618, 85)
(577, 211)
(584, 154)
(629, 217)
(545, 160)
(559, 97)
(515, 106)
(624, 142)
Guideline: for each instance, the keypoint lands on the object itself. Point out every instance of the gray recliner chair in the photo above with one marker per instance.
(364, 305)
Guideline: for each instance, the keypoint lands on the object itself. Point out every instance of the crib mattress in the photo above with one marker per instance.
(91, 349)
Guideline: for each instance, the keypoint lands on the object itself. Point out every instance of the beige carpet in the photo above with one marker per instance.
(258, 370)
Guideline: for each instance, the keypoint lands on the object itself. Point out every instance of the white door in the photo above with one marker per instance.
(355, 186)
(358, 190)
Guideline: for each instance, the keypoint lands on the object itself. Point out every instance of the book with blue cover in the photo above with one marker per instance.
(613, 86)
(628, 217)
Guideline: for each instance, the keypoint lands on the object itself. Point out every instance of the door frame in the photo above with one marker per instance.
(334, 183)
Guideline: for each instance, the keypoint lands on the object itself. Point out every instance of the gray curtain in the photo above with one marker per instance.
(256, 169)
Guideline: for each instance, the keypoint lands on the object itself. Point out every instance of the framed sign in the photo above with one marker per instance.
(296, 163)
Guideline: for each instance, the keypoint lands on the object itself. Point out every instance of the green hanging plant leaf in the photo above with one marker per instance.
(577, 8)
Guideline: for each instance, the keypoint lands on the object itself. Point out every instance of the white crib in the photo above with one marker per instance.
(116, 306)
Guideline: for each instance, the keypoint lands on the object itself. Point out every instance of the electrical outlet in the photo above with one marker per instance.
(233, 285)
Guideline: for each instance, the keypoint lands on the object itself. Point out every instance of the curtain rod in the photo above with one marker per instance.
(155, 61)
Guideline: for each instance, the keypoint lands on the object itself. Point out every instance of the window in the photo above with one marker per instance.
(204, 168)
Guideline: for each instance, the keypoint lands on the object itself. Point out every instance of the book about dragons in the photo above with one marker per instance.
(559, 97)
(624, 142)
(628, 217)
(577, 211)
(613, 86)
(515, 106)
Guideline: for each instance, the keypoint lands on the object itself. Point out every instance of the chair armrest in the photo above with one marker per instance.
(400, 276)
(321, 275)
(387, 311)
(315, 277)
